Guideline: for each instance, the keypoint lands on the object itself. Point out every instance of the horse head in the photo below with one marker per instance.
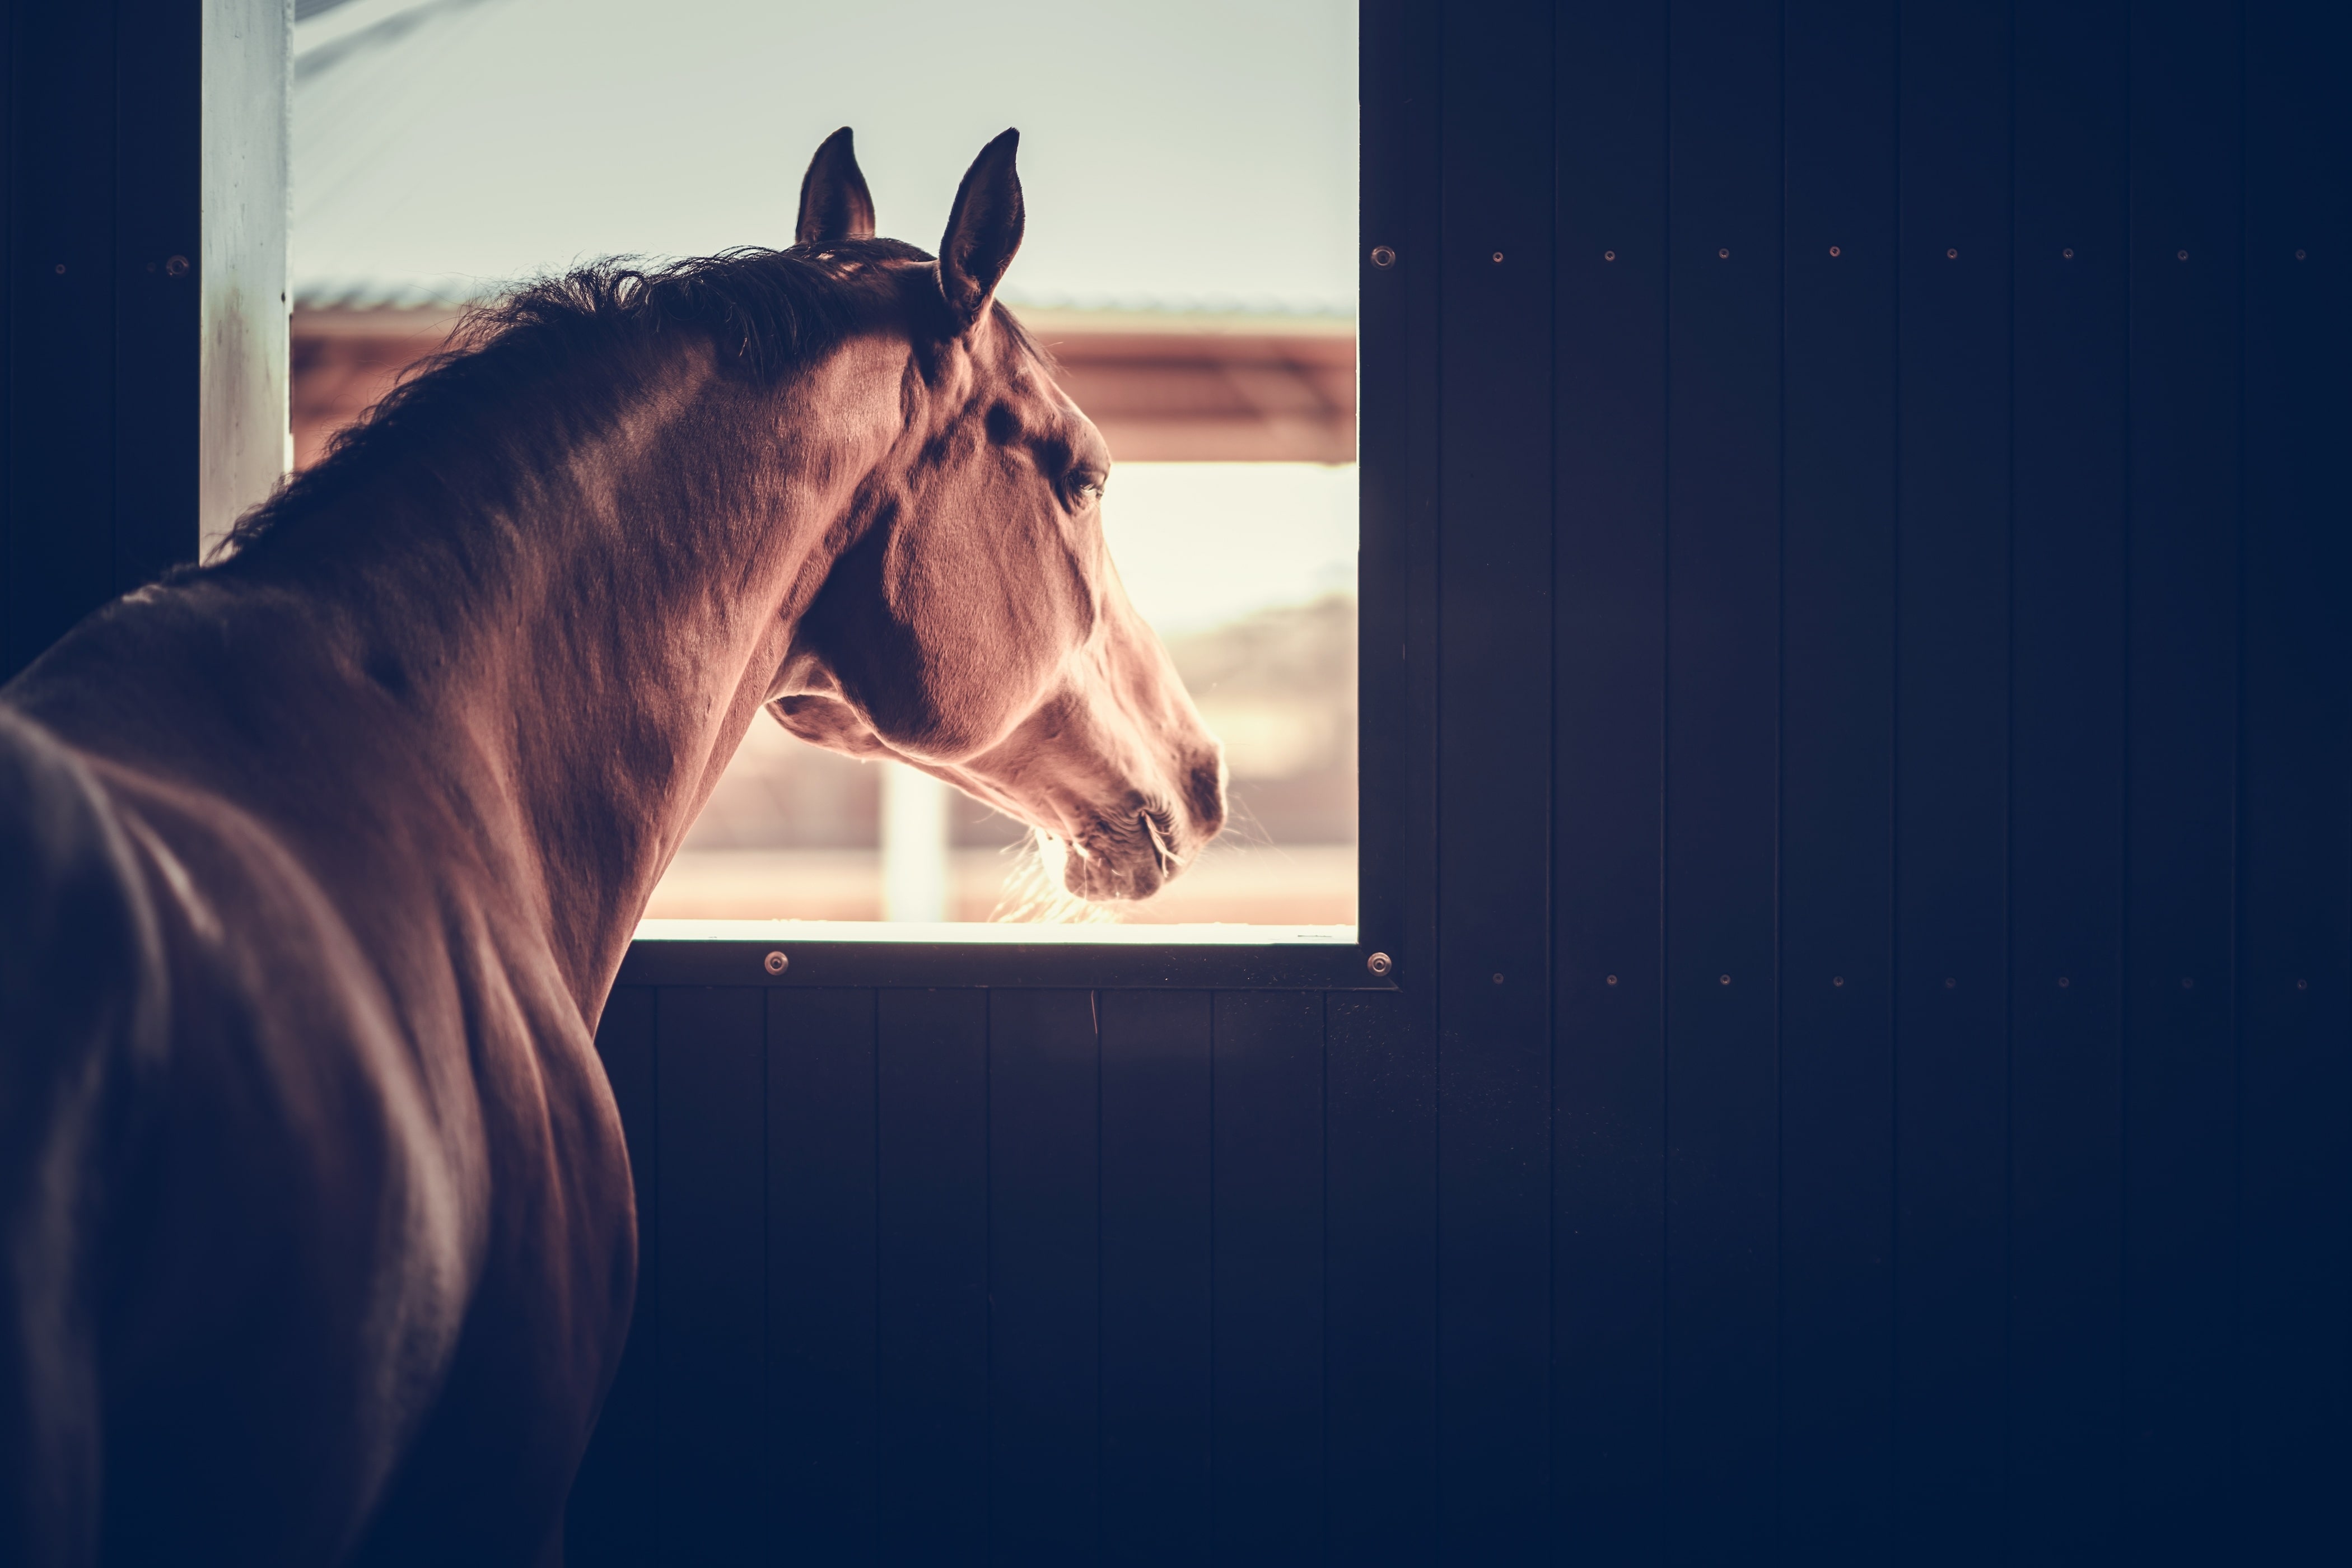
(974, 628)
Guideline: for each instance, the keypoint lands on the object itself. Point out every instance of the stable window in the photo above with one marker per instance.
(1191, 262)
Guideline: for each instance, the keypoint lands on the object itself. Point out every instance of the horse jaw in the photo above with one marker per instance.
(1120, 776)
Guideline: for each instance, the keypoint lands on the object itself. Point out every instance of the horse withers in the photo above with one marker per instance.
(317, 863)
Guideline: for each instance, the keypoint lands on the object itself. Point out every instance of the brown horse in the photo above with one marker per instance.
(317, 863)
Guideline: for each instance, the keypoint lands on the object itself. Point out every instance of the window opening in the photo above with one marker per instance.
(1189, 176)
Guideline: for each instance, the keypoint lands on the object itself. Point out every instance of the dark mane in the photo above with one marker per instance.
(767, 311)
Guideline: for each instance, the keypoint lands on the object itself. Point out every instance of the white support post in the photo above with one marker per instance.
(914, 845)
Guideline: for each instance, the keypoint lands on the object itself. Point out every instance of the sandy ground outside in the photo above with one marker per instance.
(1256, 885)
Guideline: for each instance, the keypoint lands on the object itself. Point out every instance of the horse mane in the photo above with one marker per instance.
(766, 310)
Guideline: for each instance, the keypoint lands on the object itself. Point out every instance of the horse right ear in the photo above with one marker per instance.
(834, 203)
(984, 231)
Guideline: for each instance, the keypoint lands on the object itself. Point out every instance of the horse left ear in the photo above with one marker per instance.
(834, 203)
(984, 231)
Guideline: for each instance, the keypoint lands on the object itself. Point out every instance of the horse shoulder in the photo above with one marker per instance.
(302, 1219)
(83, 1011)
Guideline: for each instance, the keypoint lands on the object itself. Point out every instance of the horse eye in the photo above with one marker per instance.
(1085, 489)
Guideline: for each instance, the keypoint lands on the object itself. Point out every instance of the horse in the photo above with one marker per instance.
(317, 860)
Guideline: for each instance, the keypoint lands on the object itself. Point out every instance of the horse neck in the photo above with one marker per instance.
(595, 652)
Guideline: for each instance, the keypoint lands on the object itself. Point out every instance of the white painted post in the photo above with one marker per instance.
(914, 845)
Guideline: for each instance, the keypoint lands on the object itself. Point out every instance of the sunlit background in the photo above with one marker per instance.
(1191, 181)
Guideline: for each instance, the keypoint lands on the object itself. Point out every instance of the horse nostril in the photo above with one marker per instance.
(1207, 796)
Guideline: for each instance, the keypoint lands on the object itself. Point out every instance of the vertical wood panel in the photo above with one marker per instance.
(2295, 1292)
(1044, 1238)
(1493, 581)
(821, 1415)
(1396, 333)
(2066, 800)
(1723, 563)
(1837, 771)
(1156, 1265)
(932, 1273)
(1380, 1250)
(1609, 706)
(1267, 1381)
(160, 128)
(13, 276)
(1380, 1237)
(710, 1111)
(2180, 1131)
(60, 452)
(1951, 781)
(613, 1515)
(1400, 350)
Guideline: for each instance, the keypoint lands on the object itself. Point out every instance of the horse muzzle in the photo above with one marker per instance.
(1132, 852)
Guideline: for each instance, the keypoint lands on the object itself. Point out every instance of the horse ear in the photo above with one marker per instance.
(834, 203)
(983, 230)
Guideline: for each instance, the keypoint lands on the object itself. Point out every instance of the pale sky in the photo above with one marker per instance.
(1174, 153)
(1202, 543)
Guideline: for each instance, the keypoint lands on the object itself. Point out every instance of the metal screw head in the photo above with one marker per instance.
(1499, 980)
(1499, 258)
(175, 267)
(1383, 256)
(61, 268)
(2063, 983)
(2303, 985)
(1833, 251)
(2298, 256)
(1608, 255)
(2068, 253)
(776, 964)
(2183, 255)
(1723, 980)
(1837, 979)
(1379, 963)
(1950, 983)
(1725, 253)
(1952, 255)
(1612, 980)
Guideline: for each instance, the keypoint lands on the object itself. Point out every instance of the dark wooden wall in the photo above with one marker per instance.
(1865, 487)
(143, 292)
(954, 1276)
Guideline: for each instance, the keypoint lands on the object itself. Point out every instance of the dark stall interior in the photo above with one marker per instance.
(1846, 1050)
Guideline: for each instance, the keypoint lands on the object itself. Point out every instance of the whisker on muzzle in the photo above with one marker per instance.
(1036, 892)
(1169, 862)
